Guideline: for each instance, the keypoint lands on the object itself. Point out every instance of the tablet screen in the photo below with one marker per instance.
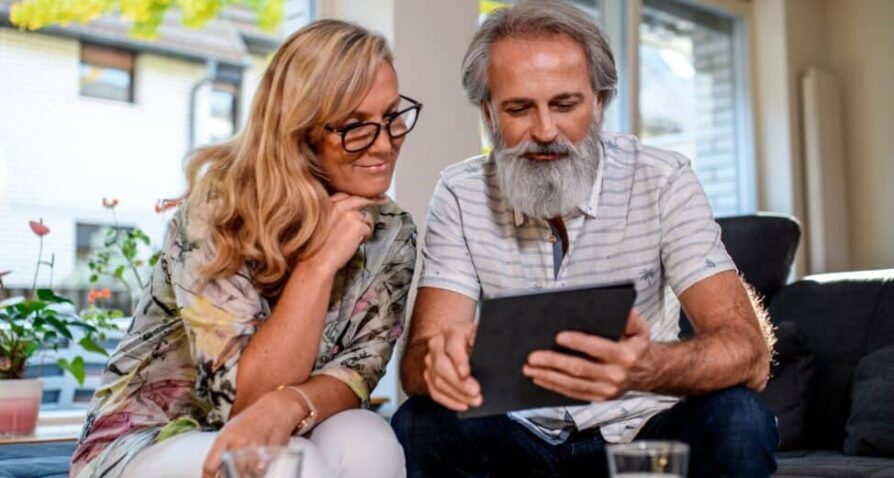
(510, 328)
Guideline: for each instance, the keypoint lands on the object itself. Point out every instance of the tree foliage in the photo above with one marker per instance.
(145, 16)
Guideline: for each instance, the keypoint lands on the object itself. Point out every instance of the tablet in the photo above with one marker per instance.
(510, 328)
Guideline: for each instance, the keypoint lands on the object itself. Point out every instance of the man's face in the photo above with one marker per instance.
(540, 92)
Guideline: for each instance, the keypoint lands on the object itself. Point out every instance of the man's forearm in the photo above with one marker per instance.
(711, 361)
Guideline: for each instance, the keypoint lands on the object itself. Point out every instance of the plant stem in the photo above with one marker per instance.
(37, 269)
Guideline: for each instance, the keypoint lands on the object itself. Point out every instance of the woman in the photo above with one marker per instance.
(282, 284)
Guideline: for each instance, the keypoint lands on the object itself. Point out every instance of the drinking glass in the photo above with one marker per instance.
(263, 462)
(648, 458)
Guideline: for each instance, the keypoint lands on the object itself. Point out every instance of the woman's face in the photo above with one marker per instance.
(368, 172)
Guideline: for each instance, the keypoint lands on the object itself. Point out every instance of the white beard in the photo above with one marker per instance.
(547, 189)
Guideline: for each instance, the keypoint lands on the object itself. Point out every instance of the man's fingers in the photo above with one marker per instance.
(569, 364)
(456, 347)
(444, 369)
(444, 395)
(437, 385)
(569, 386)
(591, 345)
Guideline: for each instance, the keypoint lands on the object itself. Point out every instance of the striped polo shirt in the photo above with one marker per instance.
(647, 220)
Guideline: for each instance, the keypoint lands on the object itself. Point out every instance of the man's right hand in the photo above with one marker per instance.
(448, 373)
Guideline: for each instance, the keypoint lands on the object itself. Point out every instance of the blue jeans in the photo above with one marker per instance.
(730, 432)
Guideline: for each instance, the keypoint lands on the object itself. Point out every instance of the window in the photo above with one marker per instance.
(86, 237)
(224, 97)
(106, 72)
(689, 96)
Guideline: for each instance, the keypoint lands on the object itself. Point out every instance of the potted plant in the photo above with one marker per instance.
(41, 320)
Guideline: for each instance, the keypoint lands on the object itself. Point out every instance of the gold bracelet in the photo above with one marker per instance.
(310, 419)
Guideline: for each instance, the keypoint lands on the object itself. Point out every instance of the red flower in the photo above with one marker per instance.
(164, 204)
(109, 203)
(38, 228)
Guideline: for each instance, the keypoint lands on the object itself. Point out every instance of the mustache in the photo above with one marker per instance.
(531, 147)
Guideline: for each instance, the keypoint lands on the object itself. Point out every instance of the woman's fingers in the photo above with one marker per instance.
(355, 203)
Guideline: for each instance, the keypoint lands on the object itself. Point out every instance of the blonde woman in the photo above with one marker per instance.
(281, 289)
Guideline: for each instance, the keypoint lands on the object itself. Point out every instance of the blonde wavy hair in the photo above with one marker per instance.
(268, 195)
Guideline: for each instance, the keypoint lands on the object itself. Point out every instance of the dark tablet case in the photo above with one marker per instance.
(512, 327)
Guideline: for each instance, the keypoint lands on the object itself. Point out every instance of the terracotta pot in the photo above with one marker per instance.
(19, 404)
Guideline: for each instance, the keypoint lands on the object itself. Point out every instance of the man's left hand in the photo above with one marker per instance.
(607, 370)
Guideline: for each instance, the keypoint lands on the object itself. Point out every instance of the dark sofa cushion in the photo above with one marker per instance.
(841, 316)
(788, 390)
(870, 427)
(832, 464)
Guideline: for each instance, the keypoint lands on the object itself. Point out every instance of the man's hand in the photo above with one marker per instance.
(607, 370)
(268, 421)
(448, 373)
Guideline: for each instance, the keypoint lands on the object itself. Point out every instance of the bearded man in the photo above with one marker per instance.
(560, 203)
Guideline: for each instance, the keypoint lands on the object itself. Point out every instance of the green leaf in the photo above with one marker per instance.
(75, 368)
(153, 259)
(30, 348)
(27, 307)
(59, 326)
(177, 426)
(139, 235)
(50, 296)
(94, 278)
(119, 272)
(84, 325)
(88, 344)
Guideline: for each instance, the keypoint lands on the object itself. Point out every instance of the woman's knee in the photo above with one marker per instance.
(360, 443)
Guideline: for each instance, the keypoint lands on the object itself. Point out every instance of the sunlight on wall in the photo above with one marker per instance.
(2, 172)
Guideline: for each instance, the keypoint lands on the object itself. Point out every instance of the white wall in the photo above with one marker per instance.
(63, 153)
(429, 40)
(855, 40)
(860, 41)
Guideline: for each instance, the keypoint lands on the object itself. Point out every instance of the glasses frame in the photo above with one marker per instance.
(387, 125)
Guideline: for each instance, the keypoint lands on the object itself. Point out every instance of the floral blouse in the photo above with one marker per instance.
(175, 369)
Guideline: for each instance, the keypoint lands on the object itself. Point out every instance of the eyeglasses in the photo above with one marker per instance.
(360, 136)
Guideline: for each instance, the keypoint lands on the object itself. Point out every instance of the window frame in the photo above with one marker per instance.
(104, 56)
(621, 23)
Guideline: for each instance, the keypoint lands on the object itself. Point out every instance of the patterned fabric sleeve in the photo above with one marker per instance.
(219, 316)
(379, 317)
(691, 249)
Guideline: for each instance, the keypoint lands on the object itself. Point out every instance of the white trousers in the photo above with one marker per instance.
(351, 444)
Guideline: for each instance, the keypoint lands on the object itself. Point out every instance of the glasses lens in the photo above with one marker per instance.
(403, 123)
(360, 137)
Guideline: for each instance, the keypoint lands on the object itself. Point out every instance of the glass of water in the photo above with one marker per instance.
(263, 462)
(648, 458)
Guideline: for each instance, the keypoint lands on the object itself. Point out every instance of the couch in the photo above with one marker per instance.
(832, 385)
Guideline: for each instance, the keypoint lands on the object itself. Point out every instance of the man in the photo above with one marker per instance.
(559, 203)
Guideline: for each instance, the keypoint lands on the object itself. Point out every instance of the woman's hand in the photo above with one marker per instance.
(349, 226)
(269, 421)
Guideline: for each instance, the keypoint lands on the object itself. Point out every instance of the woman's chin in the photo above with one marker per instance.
(367, 190)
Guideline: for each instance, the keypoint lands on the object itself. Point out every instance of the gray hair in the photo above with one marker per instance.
(531, 18)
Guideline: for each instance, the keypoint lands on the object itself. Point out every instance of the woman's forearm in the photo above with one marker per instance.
(284, 348)
(330, 395)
